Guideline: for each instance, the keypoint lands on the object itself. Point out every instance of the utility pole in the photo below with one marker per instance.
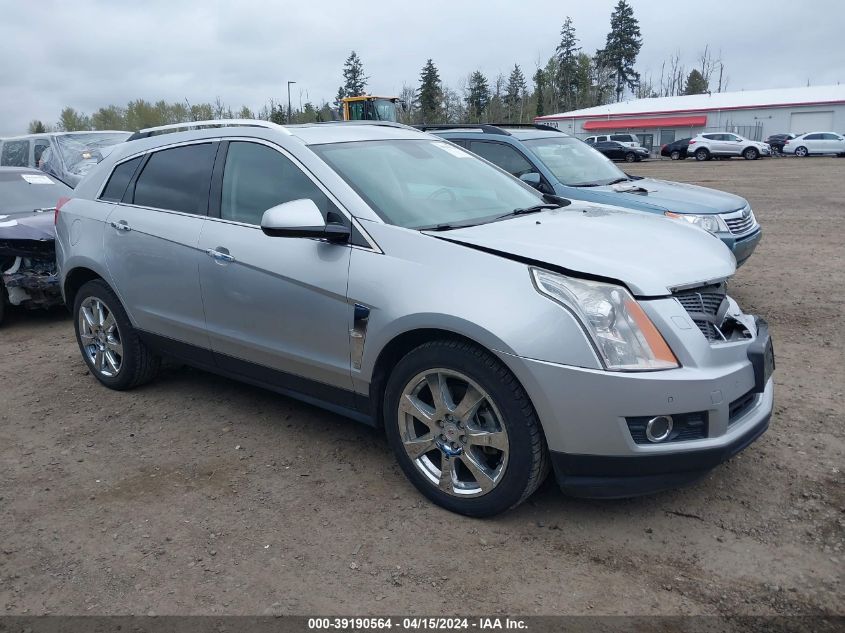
(290, 112)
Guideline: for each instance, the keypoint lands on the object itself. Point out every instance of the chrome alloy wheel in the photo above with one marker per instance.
(100, 337)
(453, 433)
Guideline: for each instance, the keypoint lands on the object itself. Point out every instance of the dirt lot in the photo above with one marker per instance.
(196, 494)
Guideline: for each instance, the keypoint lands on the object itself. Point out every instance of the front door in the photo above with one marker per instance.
(151, 240)
(276, 307)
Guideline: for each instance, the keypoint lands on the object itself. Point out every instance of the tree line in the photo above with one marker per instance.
(570, 79)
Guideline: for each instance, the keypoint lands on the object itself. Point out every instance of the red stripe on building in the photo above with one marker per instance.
(671, 121)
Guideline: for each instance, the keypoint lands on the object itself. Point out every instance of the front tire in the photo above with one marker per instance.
(630, 157)
(751, 153)
(463, 429)
(801, 151)
(701, 154)
(675, 155)
(109, 344)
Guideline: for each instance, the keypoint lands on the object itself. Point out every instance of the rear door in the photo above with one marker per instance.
(151, 239)
(276, 307)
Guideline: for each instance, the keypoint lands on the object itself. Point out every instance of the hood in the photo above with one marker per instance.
(650, 254)
(27, 235)
(673, 196)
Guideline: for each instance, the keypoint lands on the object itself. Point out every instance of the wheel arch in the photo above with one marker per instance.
(74, 280)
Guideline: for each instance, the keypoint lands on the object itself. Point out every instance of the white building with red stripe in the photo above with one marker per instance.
(755, 114)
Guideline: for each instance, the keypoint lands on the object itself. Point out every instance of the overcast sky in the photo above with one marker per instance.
(90, 53)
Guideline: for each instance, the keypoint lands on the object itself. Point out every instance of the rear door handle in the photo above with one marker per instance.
(122, 225)
(220, 255)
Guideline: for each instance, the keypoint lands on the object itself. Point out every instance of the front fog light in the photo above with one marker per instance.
(658, 429)
(622, 333)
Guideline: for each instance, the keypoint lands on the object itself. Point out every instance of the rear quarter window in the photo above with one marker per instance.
(119, 179)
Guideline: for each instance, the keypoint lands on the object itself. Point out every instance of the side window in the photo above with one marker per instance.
(177, 179)
(15, 154)
(257, 177)
(813, 137)
(830, 137)
(120, 177)
(40, 145)
(504, 156)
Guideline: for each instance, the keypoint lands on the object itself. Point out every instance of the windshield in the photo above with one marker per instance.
(423, 183)
(575, 163)
(385, 110)
(80, 152)
(23, 192)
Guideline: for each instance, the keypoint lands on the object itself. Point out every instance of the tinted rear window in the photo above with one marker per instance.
(177, 179)
(120, 177)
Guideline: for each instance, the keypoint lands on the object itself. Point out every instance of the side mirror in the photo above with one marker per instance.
(531, 178)
(301, 218)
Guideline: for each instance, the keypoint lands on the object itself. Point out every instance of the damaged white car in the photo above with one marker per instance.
(28, 276)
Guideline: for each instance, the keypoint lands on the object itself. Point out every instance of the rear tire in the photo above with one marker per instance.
(702, 154)
(484, 418)
(675, 155)
(801, 151)
(110, 346)
(2, 302)
(750, 153)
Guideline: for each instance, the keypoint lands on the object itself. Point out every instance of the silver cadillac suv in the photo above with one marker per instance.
(395, 278)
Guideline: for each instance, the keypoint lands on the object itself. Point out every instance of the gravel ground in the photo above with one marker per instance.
(198, 495)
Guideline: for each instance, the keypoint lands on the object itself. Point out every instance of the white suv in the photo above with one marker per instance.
(706, 146)
(629, 140)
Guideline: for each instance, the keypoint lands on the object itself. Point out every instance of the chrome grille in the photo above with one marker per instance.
(740, 222)
(708, 307)
(703, 305)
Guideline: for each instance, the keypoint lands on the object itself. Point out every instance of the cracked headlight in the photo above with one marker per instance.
(624, 336)
(710, 223)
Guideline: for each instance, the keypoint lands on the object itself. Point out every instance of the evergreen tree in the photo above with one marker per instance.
(621, 49)
(696, 83)
(539, 92)
(583, 82)
(430, 95)
(567, 60)
(354, 79)
(37, 127)
(478, 96)
(515, 94)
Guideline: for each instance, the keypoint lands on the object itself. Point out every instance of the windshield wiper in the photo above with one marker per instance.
(525, 211)
(618, 180)
(444, 227)
(586, 184)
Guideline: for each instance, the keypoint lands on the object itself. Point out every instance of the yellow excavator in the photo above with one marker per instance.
(370, 108)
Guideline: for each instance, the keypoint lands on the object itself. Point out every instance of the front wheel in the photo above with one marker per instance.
(630, 157)
(750, 153)
(801, 152)
(463, 429)
(675, 155)
(110, 346)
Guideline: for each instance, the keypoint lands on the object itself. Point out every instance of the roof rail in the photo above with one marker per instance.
(484, 127)
(150, 131)
(381, 123)
(534, 126)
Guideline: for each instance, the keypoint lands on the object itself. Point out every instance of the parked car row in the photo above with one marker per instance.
(721, 145)
(496, 298)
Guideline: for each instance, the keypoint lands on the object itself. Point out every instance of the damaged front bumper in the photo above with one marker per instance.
(28, 262)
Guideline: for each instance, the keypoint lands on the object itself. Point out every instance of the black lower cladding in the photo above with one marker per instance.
(761, 353)
(336, 399)
(612, 476)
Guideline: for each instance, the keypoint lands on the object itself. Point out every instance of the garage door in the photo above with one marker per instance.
(801, 122)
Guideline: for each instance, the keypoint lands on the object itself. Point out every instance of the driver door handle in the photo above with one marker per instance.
(220, 255)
